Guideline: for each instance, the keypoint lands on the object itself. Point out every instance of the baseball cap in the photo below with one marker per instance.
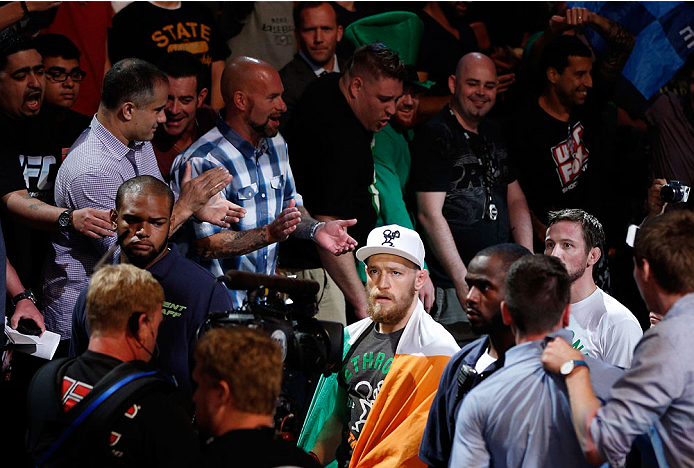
(394, 240)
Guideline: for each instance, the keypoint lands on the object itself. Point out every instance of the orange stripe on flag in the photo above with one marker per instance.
(393, 430)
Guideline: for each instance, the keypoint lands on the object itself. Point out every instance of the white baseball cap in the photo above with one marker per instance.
(394, 240)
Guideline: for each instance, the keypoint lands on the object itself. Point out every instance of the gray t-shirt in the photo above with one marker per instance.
(362, 375)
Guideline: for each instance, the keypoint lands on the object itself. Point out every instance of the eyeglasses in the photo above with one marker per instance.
(60, 77)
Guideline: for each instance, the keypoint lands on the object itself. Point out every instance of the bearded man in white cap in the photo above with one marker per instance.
(392, 359)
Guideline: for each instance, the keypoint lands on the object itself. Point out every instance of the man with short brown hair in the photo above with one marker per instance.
(602, 327)
(238, 373)
(317, 33)
(330, 136)
(655, 395)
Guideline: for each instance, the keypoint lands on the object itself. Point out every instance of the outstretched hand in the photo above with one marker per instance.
(220, 212)
(333, 236)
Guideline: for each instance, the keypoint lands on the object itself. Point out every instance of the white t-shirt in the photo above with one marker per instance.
(604, 329)
(484, 361)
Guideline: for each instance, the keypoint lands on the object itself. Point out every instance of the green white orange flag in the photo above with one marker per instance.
(393, 430)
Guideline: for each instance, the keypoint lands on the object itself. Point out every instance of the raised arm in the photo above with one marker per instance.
(584, 403)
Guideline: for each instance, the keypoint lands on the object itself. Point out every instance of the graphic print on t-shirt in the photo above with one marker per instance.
(571, 158)
(39, 175)
(188, 36)
(363, 374)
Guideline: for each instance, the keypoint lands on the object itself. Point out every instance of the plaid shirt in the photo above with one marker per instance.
(97, 164)
(263, 184)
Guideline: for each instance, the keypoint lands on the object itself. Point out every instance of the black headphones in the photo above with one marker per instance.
(134, 323)
(134, 327)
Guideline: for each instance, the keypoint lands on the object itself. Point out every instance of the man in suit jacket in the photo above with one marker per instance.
(318, 33)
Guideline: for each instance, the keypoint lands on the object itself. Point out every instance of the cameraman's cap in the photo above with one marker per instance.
(394, 240)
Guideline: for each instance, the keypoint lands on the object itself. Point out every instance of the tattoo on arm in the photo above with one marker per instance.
(33, 206)
(620, 43)
(303, 229)
(228, 243)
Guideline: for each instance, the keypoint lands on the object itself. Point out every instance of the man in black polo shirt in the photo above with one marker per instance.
(143, 216)
(330, 138)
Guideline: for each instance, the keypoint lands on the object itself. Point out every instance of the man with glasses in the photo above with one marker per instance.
(36, 135)
(467, 195)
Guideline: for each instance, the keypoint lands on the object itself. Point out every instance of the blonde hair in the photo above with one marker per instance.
(249, 361)
(116, 292)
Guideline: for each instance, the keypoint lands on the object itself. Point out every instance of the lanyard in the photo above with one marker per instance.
(490, 212)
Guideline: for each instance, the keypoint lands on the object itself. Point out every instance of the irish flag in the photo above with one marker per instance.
(394, 427)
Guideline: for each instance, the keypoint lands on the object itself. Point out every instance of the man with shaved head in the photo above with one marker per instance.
(467, 195)
(245, 141)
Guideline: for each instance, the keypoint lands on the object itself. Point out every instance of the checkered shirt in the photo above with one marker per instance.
(97, 164)
(263, 184)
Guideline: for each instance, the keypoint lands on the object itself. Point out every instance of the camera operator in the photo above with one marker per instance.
(376, 407)
(238, 373)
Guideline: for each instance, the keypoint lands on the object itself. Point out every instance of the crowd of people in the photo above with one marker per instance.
(447, 180)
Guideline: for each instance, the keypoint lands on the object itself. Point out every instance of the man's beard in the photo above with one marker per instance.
(142, 261)
(265, 129)
(390, 313)
(575, 275)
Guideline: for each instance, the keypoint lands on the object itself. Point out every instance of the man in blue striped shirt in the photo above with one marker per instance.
(245, 141)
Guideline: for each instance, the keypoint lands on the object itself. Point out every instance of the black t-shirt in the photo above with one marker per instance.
(30, 158)
(556, 162)
(330, 155)
(446, 158)
(362, 375)
(254, 448)
(440, 51)
(146, 31)
(152, 432)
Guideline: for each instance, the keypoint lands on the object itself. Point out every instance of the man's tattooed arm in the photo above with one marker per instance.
(620, 43)
(228, 243)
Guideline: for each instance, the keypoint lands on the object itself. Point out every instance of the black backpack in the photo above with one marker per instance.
(79, 436)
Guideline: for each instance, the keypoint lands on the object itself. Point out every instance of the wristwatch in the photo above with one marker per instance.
(64, 219)
(314, 228)
(26, 294)
(569, 366)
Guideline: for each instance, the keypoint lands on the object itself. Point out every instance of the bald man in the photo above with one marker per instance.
(467, 195)
(245, 141)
